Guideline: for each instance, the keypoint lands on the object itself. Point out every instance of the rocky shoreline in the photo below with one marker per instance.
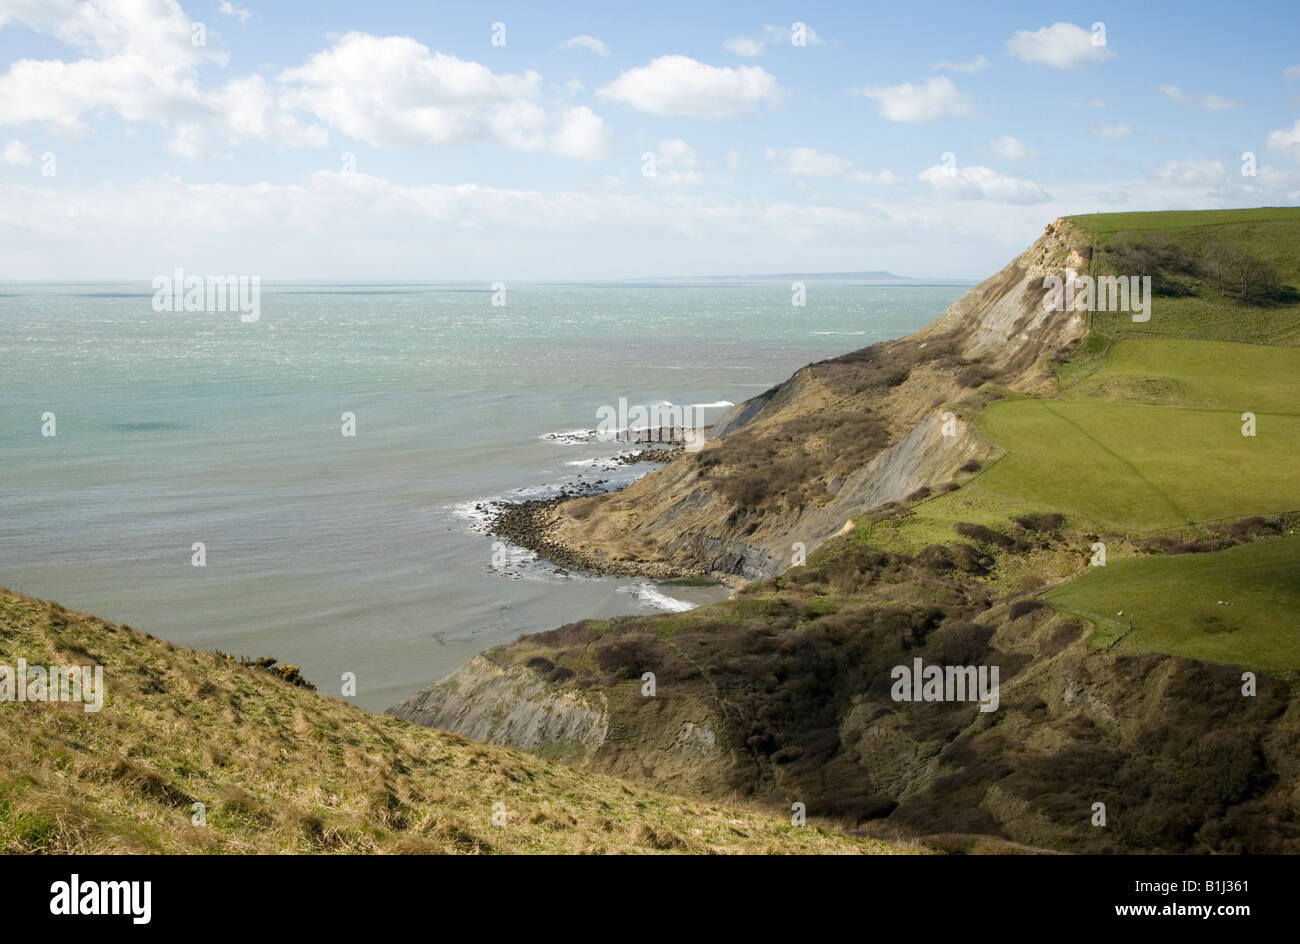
(530, 525)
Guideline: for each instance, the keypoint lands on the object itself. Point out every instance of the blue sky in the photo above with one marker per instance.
(477, 160)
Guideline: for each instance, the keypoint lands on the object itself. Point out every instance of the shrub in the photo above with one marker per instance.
(985, 535)
(1021, 607)
(959, 643)
(938, 558)
(1254, 526)
(627, 657)
(975, 375)
(540, 664)
(1048, 522)
(970, 465)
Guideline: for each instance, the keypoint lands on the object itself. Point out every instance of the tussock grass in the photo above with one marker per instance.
(282, 769)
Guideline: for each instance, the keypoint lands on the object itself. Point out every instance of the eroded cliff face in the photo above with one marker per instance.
(512, 706)
(518, 701)
(836, 440)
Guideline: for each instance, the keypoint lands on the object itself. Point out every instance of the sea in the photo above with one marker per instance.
(136, 444)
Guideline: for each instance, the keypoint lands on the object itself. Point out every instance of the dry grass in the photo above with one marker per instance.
(282, 769)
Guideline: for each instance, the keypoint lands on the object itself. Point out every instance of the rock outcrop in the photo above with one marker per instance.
(510, 706)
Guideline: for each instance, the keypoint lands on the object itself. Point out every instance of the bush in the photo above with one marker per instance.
(540, 664)
(1252, 527)
(627, 657)
(1021, 607)
(959, 643)
(963, 558)
(975, 375)
(1047, 523)
(984, 535)
(970, 465)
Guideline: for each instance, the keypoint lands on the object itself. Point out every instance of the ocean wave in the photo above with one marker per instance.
(570, 437)
(650, 595)
(854, 333)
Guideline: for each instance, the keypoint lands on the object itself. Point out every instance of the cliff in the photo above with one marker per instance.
(837, 439)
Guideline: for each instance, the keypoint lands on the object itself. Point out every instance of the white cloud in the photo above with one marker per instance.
(978, 64)
(982, 183)
(1090, 103)
(919, 103)
(1011, 149)
(1192, 173)
(1208, 102)
(1113, 132)
(1291, 73)
(679, 85)
(330, 226)
(732, 160)
(394, 92)
(586, 42)
(770, 36)
(676, 165)
(142, 66)
(744, 46)
(189, 141)
(580, 134)
(1286, 141)
(805, 162)
(336, 225)
(229, 9)
(1062, 45)
(158, 32)
(387, 91)
(16, 152)
(139, 62)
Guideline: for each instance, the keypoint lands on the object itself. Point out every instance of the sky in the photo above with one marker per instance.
(506, 141)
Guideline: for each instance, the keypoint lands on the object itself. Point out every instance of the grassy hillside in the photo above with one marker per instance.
(1130, 467)
(1191, 306)
(281, 769)
(1212, 375)
(1235, 605)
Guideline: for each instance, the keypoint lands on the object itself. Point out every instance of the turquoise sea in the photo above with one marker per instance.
(362, 554)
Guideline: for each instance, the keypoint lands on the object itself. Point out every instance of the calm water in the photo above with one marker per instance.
(360, 554)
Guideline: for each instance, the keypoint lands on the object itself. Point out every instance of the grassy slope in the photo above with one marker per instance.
(1236, 605)
(281, 769)
(1145, 436)
(1272, 234)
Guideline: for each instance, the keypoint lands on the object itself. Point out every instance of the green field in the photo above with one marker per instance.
(1271, 234)
(1206, 374)
(1103, 224)
(1236, 606)
(1121, 466)
(1139, 468)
